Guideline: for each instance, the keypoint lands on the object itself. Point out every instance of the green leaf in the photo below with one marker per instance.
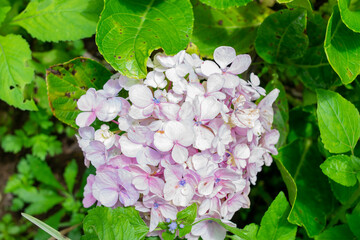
(274, 224)
(12, 143)
(4, 9)
(353, 220)
(14, 73)
(105, 223)
(313, 68)
(168, 235)
(128, 31)
(339, 122)
(302, 4)
(342, 48)
(336, 233)
(53, 221)
(342, 193)
(40, 201)
(234, 27)
(42, 172)
(350, 17)
(135, 220)
(312, 198)
(251, 230)
(187, 217)
(44, 144)
(281, 111)
(70, 174)
(281, 36)
(341, 169)
(67, 82)
(60, 20)
(223, 4)
(44, 227)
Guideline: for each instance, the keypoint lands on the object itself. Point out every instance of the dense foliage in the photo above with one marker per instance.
(308, 49)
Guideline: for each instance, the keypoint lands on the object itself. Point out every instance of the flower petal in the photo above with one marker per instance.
(224, 56)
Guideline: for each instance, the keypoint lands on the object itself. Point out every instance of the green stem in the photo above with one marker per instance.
(343, 208)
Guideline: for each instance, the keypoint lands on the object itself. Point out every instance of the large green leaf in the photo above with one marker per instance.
(339, 122)
(281, 36)
(60, 20)
(342, 193)
(234, 27)
(342, 48)
(341, 169)
(281, 111)
(354, 220)
(105, 223)
(336, 233)
(222, 4)
(70, 174)
(313, 198)
(313, 68)
(67, 82)
(274, 224)
(4, 9)
(128, 31)
(351, 18)
(14, 72)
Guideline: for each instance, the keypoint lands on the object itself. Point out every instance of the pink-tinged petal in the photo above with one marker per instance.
(85, 119)
(108, 197)
(210, 108)
(88, 196)
(162, 142)
(269, 99)
(214, 83)
(170, 110)
(168, 211)
(128, 196)
(242, 151)
(109, 110)
(140, 183)
(240, 64)
(156, 185)
(137, 113)
(199, 228)
(231, 81)
(125, 107)
(129, 148)
(148, 156)
(140, 96)
(179, 154)
(224, 56)
(227, 174)
(96, 153)
(203, 137)
(173, 174)
(155, 218)
(214, 232)
(254, 79)
(209, 67)
(204, 206)
(112, 88)
(88, 101)
(169, 191)
(206, 186)
(87, 132)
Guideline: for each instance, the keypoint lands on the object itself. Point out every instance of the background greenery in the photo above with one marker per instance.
(309, 49)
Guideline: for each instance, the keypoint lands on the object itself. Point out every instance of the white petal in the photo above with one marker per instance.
(179, 154)
(214, 83)
(85, 119)
(129, 148)
(210, 108)
(108, 197)
(203, 138)
(206, 186)
(209, 67)
(162, 142)
(242, 151)
(224, 56)
(140, 95)
(240, 64)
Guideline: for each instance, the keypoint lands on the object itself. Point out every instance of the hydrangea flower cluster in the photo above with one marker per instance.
(189, 133)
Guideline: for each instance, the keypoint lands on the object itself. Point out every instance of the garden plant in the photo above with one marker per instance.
(179, 119)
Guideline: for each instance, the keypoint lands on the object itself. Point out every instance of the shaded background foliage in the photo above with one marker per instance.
(309, 49)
